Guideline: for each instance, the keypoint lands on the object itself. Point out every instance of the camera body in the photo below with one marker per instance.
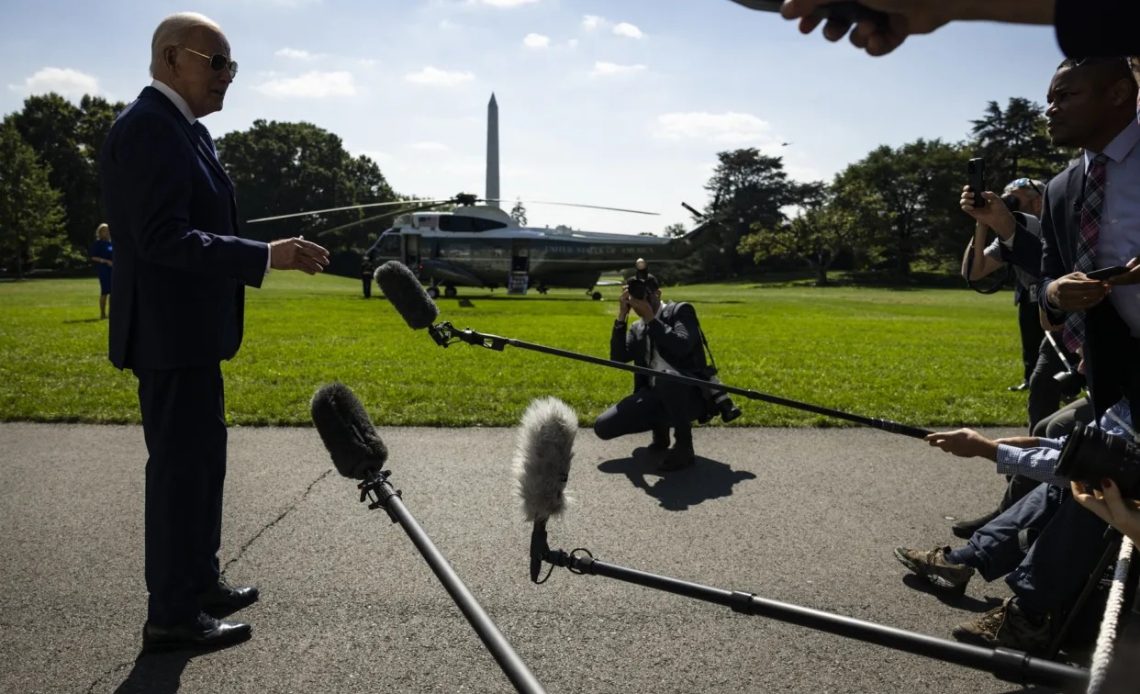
(1070, 382)
(638, 288)
(1091, 455)
(718, 399)
(1012, 202)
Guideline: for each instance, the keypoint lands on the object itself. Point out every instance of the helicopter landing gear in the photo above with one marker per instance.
(449, 291)
(596, 296)
(433, 292)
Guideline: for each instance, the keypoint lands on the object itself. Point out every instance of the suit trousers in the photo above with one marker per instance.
(183, 414)
(1029, 326)
(664, 405)
(1046, 545)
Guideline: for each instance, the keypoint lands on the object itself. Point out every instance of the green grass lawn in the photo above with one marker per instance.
(924, 357)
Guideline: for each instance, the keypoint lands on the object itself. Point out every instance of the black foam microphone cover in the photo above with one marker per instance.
(347, 431)
(406, 293)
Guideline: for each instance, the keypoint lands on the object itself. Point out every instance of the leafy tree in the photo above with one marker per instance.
(518, 213)
(905, 203)
(674, 231)
(747, 188)
(1014, 143)
(31, 217)
(68, 139)
(279, 168)
(815, 236)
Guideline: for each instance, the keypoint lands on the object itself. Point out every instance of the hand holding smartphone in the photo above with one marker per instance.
(1106, 272)
(976, 173)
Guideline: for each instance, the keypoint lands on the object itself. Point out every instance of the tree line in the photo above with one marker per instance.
(892, 213)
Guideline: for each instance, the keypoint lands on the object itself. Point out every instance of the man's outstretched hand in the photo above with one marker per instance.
(298, 254)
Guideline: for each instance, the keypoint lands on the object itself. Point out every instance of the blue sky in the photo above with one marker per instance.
(606, 103)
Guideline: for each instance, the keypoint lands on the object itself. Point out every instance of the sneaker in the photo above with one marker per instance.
(1008, 626)
(932, 566)
(966, 528)
(678, 457)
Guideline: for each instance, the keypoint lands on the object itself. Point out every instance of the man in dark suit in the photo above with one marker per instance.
(667, 338)
(179, 277)
(1091, 221)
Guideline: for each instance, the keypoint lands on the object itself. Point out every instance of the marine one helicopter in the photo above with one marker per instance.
(477, 244)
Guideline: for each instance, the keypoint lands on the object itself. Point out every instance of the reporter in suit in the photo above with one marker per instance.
(1091, 221)
(179, 278)
(666, 338)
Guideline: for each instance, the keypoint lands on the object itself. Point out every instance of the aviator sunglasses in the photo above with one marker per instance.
(217, 61)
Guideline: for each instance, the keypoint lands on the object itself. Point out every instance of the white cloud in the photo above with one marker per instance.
(572, 43)
(296, 54)
(311, 85)
(723, 128)
(435, 77)
(503, 3)
(63, 81)
(628, 30)
(592, 21)
(429, 147)
(604, 69)
(536, 41)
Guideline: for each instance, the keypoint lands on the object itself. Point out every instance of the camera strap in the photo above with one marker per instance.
(978, 286)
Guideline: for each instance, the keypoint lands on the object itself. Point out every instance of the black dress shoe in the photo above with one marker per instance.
(966, 528)
(224, 599)
(205, 633)
(678, 457)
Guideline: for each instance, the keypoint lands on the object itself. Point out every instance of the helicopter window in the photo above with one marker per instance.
(463, 223)
(389, 245)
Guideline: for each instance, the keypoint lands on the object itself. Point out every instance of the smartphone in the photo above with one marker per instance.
(849, 12)
(976, 177)
(1106, 272)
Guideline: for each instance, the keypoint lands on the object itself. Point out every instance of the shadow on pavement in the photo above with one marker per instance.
(705, 479)
(961, 602)
(156, 673)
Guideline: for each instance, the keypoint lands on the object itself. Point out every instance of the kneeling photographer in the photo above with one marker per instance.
(666, 338)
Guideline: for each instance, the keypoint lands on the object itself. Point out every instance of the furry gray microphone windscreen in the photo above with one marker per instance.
(543, 450)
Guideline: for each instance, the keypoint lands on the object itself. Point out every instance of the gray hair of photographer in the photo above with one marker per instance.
(1024, 195)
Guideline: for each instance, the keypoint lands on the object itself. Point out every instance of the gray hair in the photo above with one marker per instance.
(172, 31)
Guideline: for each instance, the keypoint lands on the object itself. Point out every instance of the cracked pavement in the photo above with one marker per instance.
(805, 516)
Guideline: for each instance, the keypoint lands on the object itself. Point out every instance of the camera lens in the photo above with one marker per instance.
(1091, 455)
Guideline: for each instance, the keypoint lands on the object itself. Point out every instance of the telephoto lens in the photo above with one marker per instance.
(1091, 455)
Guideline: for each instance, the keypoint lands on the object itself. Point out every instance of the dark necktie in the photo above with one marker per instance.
(204, 136)
(1074, 333)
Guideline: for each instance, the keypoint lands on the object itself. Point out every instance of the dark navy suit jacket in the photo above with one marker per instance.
(1107, 340)
(677, 335)
(180, 269)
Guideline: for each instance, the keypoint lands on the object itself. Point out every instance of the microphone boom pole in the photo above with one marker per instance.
(380, 492)
(445, 334)
(1004, 663)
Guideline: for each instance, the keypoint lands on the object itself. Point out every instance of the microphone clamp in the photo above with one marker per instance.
(445, 334)
(376, 483)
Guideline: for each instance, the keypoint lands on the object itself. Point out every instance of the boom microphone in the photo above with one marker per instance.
(358, 453)
(541, 466)
(406, 293)
(347, 432)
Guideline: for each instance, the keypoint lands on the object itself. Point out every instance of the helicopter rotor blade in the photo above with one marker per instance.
(346, 207)
(578, 204)
(358, 222)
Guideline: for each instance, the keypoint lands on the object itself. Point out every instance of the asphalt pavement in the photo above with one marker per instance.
(803, 516)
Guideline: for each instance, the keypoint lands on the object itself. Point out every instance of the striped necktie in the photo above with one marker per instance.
(1074, 333)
